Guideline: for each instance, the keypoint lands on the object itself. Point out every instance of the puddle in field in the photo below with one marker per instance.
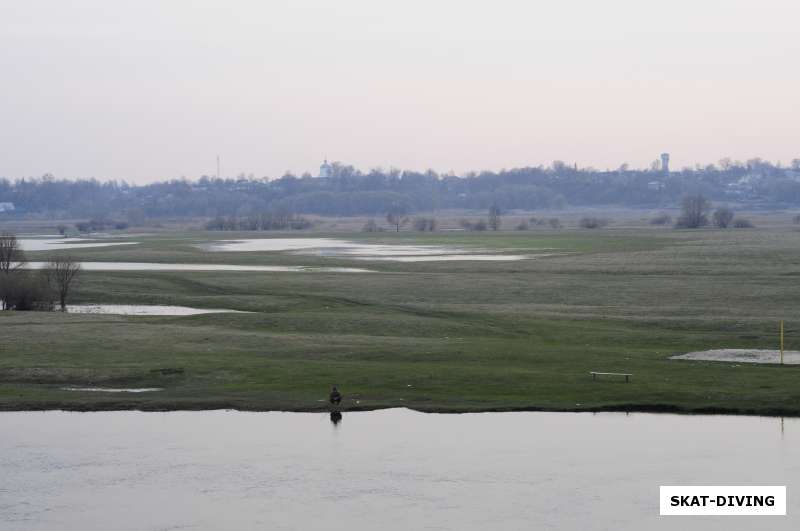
(143, 266)
(143, 309)
(455, 258)
(112, 390)
(56, 244)
(361, 251)
(740, 355)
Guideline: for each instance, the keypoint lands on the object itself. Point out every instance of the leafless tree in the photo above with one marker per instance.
(693, 212)
(494, 217)
(397, 216)
(12, 260)
(11, 256)
(61, 272)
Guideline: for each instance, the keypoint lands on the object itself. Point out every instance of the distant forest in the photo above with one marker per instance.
(348, 191)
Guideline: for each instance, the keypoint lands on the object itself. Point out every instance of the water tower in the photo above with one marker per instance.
(665, 163)
(325, 170)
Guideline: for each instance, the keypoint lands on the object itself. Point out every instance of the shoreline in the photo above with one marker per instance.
(622, 408)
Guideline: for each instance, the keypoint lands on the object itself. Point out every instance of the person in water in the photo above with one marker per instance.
(336, 396)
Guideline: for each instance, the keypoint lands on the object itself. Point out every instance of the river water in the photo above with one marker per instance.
(383, 470)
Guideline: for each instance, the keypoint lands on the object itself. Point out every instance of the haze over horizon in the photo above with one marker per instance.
(156, 89)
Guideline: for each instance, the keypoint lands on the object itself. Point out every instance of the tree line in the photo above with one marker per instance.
(349, 191)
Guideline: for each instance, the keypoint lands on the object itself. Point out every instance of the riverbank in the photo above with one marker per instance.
(210, 406)
(431, 336)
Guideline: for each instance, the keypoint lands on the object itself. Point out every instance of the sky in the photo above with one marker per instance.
(151, 90)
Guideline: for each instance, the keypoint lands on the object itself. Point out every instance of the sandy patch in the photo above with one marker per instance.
(743, 356)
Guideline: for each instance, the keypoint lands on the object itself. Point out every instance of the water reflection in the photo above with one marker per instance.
(336, 417)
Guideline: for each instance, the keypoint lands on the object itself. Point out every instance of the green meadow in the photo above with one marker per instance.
(434, 336)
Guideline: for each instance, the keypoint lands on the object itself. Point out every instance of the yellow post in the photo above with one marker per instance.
(781, 341)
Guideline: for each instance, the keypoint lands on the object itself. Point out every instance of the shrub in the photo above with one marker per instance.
(479, 225)
(424, 224)
(277, 220)
(554, 223)
(592, 223)
(742, 223)
(722, 217)
(25, 291)
(371, 226)
(661, 219)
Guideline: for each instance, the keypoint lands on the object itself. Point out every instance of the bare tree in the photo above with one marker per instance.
(693, 212)
(11, 256)
(723, 217)
(397, 216)
(12, 260)
(61, 272)
(494, 217)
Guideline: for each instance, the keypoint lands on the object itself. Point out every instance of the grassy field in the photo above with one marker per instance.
(433, 336)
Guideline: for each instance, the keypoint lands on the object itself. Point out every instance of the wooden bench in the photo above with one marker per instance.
(596, 374)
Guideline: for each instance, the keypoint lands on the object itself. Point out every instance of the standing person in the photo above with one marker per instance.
(336, 396)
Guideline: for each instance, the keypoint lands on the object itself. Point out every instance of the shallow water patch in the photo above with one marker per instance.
(360, 251)
(144, 266)
(143, 309)
(113, 389)
(740, 355)
(56, 244)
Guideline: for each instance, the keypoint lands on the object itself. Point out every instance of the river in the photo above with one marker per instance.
(387, 470)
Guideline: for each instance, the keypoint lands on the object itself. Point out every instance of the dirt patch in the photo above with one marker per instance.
(738, 355)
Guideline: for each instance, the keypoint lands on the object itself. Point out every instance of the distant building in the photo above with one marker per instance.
(665, 163)
(325, 169)
(656, 185)
(6, 207)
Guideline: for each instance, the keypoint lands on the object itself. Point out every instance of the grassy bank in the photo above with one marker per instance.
(434, 336)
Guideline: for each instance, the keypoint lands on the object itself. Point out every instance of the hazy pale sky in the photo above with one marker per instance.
(145, 90)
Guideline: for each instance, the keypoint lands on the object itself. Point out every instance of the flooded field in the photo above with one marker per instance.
(57, 244)
(454, 258)
(389, 470)
(142, 309)
(741, 355)
(112, 389)
(360, 251)
(143, 266)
